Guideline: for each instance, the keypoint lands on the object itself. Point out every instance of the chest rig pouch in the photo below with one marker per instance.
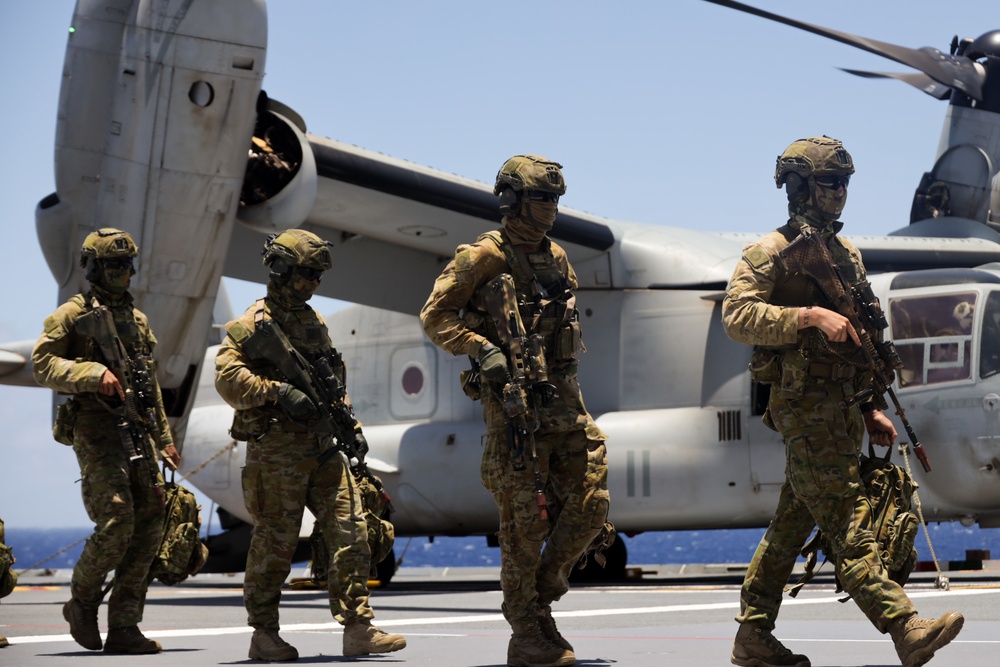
(309, 338)
(545, 300)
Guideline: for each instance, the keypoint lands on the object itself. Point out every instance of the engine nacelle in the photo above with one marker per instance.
(279, 189)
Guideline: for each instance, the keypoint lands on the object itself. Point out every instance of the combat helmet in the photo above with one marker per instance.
(530, 172)
(812, 156)
(296, 247)
(107, 243)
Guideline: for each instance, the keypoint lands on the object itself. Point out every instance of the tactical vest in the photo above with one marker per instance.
(547, 305)
(812, 349)
(83, 347)
(307, 335)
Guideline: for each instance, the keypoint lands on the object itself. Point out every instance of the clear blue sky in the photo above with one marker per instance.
(662, 112)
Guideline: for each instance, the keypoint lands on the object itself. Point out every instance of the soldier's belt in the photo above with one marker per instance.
(818, 369)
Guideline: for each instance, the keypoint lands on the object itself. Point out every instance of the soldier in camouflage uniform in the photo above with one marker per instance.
(283, 475)
(536, 555)
(8, 577)
(122, 500)
(809, 353)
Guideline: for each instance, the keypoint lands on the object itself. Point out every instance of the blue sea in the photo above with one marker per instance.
(34, 547)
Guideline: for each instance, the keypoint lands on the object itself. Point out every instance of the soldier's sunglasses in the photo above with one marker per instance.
(539, 195)
(117, 263)
(309, 273)
(834, 181)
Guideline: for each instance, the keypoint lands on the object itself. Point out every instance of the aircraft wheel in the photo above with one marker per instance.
(613, 570)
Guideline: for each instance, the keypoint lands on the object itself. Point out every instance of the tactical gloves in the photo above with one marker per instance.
(296, 404)
(493, 365)
(360, 445)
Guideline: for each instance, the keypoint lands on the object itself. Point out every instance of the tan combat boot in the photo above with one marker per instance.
(3, 642)
(130, 641)
(529, 647)
(755, 646)
(547, 624)
(363, 638)
(918, 638)
(82, 625)
(266, 645)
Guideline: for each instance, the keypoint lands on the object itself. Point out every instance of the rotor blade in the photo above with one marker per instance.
(952, 71)
(918, 80)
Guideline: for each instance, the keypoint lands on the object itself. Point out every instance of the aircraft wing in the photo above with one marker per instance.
(395, 224)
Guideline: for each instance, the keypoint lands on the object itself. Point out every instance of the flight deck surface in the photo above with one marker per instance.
(673, 615)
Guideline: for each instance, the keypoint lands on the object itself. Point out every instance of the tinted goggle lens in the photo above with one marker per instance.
(833, 181)
(540, 195)
(309, 273)
(117, 263)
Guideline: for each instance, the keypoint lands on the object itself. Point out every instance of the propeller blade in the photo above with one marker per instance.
(951, 71)
(918, 80)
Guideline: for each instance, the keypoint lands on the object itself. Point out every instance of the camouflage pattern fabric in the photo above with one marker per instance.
(536, 556)
(282, 477)
(278, 483)
(128, 520)
(822, 440)
(8, 577)
(119, 499)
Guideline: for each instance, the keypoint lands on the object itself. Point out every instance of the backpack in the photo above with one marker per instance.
(375, 508)
(181, 552)
(890, 490)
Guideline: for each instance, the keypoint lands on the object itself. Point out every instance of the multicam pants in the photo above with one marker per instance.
(574, 472)
(128, 522)
(822, 488)
(281, 478)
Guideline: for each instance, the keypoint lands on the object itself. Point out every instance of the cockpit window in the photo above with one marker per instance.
(989, 359)
(933, 335)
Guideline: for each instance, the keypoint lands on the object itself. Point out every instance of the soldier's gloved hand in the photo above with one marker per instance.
(171, 457)
(493, 365)
(296, 404)
(360, 445)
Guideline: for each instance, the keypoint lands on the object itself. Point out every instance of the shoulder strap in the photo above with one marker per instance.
(789, 232)
(258, 315)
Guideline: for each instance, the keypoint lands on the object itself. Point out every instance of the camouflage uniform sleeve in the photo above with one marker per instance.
(53, 362)
(562, 261)
(441, 316)
(747, 315)
(239, 386)
(166, 435)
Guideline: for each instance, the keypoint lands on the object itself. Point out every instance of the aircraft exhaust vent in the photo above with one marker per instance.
(729, 426)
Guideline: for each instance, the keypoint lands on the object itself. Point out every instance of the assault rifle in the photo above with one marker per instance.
(318, 381)
(135, 415)
(529, 384)
(809, 254)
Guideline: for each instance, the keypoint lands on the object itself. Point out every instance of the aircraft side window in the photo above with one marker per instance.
(989, 357)
(933, 335)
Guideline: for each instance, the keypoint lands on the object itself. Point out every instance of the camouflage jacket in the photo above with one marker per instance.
(251, 385)
(763, 298)
(70, 363)
(447, 318)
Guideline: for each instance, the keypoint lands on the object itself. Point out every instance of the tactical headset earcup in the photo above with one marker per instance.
(280, 268)
(509, 201)
(796, 187)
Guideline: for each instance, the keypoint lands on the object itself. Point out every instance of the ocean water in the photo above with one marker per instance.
(59, 548)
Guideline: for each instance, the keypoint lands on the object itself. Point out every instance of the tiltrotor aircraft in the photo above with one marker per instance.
(164, 129)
